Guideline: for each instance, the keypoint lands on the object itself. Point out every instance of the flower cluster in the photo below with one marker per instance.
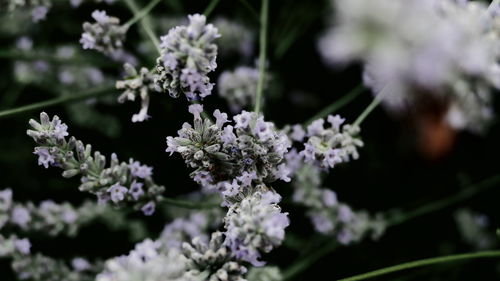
(327, 147)
(255, 225)
(50, 217)
(106, 35)
(39, 8)
(145, 262)
(474, 229)
(137, 84)
(193, 225)
(329, 216)
(212, 261)
(231, 158)
(39, 267)
(120, 182)
(236, 38)
(12, 246)
(238, 87)
(439, 53)
(187, 55)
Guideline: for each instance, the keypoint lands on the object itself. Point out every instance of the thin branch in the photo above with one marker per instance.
(262, 56)
(95, 92)
(338, 104)
(423, 262)
(210, 8)
(145, 23)
(249, 7)
(467, 193)
(188, 204)
(138, 16)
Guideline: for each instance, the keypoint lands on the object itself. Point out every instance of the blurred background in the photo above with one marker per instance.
(406, 163)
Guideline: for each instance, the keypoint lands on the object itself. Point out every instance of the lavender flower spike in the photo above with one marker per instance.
(108, 183)
(187, 55)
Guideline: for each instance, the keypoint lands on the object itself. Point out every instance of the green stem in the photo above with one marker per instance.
(423, 262)
(36, 55)
(210, 8)
(262, 55)
(99, 91)
(305, 263)
(466, 193)
(138, 16)
(367, 111)
(145, 23)
(188, 204)
(338, 104)
(251, 9)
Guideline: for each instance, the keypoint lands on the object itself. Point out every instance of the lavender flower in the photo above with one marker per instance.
(106, 35)
(327, 147)
(238, 87)
(146, 262)
(212, 261)
(110, 183)
(137, 85)
(49, 217)
(255, 225)
(39, 8)
(474, 229)
(187, 56)
(236, 38)
(417, 53)
(327, 214)
(251, 151)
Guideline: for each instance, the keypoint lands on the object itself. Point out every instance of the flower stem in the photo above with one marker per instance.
(145, 23)
(138, 16)
(367, 111)
(34, 56)
(306, 262)
(188, 204)
(251, 9)
(423, 262)
(262, 56)
(98, 91)
(336, 105)
(210, 8)
(467, 193)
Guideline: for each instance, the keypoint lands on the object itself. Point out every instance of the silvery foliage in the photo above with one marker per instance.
(238, 87)
(255, 225)
(137, 84)
(419, 52)
(50, 217)
(235, 38)
(474, 229)
(106, 35)
(38, 267)
(38, 8)
(327, 147)
(265, 273)
(187, 55)
(328, 215)
(231, 159)
(212, 261)
(120, 183)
